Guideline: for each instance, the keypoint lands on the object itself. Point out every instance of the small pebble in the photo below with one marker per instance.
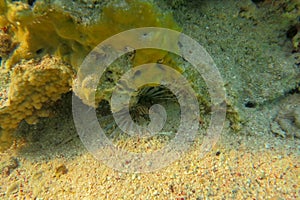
(62, 169)
(10, 166)
(155, 192)
(267, 146)
(13, 188)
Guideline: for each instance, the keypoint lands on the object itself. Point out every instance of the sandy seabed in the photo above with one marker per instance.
(50, 162)
(238, 167)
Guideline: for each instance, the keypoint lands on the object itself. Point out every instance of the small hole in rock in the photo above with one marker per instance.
(250, 104)
(257, 1)
(39, 51)
(137, 73)
(291, 32)
(31, 2)
(295, 90)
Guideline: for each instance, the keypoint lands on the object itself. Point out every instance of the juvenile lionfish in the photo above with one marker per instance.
(139, 109)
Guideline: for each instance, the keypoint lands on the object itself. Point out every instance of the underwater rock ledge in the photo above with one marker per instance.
(44, 42)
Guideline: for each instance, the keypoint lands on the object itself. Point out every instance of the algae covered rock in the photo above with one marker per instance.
(50, 28)
(44, 42)
(33, 85)
(6, 44)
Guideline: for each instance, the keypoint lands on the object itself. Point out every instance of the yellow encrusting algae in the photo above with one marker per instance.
(44, 45)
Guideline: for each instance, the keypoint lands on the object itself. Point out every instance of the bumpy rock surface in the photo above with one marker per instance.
(287, 121)
(43, 43)
(33, 86)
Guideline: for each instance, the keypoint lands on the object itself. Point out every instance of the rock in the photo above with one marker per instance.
(286, 123)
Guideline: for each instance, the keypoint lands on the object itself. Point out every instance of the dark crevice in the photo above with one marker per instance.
(31, 2)
(39, 51)
(294, 90)
(257, 1)
(292, 32)
(250, 104)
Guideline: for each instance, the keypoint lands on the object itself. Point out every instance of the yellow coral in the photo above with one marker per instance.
(6, 44)
(32, 85)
